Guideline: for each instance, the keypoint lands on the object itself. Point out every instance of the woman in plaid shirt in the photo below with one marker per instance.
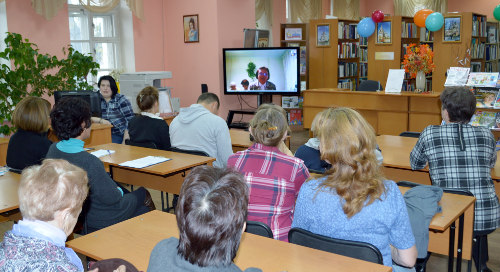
(461, 156)
(274, 178)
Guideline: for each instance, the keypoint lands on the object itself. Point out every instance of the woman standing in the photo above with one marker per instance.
(116, 109)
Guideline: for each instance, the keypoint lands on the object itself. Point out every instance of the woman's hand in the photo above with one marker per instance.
(99, 120)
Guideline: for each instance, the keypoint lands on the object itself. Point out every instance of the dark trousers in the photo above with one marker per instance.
(480, 245)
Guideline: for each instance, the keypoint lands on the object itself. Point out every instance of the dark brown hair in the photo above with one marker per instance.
(208, 98)
(211, 213)
(68, 115)
(32, 114)
(147, 98)
(459, 102)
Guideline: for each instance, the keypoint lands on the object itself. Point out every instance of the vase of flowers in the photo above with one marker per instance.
(418, 61)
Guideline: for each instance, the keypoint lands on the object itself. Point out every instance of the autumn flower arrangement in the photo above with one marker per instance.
(418, 58)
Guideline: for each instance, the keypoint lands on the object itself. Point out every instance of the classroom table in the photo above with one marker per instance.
(240, 139)
(9, 201)
(134, 239)
(4, 143)
(166, 176)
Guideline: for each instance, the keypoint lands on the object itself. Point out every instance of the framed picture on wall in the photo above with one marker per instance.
(384, 32)
(452, 28)
(323, 35)
(191, 28)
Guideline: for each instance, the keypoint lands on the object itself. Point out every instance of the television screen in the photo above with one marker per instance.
(271, 70)
(91, 97)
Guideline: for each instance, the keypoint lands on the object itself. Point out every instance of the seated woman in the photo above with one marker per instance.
(116, 109)
(109, 203)
(273, 177)
(29, 145)
(50, 199)
(149, 128)
(353, 201)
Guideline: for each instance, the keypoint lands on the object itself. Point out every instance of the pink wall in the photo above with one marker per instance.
(484, 7)
(149, 44)
(50, 36)
(366, 7)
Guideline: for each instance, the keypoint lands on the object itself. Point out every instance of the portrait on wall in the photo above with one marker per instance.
(323, 35)
(191, 29)
(384, 32)
(452, 28)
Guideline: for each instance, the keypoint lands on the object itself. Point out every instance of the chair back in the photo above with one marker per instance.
(369, 86)
(141, 144)
(410, 134)
(259, 228)
(192, 152)
(353, 249)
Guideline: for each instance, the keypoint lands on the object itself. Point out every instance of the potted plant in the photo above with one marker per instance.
(35, 74)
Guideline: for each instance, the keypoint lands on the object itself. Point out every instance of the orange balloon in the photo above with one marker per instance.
(420, 16)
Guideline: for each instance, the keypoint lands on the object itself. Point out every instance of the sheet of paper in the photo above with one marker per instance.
(457, 76)
(144, 162)
(394, 81)
(102, 152)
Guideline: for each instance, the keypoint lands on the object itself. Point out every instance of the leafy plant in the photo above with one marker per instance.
(251, 70)
(35, 74)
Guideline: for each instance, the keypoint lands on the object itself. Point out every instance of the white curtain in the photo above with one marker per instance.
(264, 11)
(301, 11)
(346, 9)
(49, 8)
(410, 7)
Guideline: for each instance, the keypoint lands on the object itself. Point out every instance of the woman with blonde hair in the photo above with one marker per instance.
(29, 145)
(148, 129)
(353, 201)
(50, 199)
(274, 178)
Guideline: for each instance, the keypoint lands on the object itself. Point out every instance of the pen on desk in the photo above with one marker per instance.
(109, 152)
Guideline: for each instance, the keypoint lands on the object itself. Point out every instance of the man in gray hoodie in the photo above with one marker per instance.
(199, 128)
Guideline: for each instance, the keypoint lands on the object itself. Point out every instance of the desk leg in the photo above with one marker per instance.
(451, 251)
(111, 171)
(460, 242)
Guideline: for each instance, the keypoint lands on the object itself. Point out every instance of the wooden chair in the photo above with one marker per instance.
(370, 86)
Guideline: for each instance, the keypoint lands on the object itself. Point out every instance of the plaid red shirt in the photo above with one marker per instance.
(274, 181)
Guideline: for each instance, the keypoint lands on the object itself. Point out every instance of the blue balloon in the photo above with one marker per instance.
(366, 27)
(434, 21)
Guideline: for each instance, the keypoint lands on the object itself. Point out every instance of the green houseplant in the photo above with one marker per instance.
(35, 74)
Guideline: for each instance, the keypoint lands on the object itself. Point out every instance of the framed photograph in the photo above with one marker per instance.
(452, 28)
(384, 32)
(293, 34)
(323, 35)
(191, 28)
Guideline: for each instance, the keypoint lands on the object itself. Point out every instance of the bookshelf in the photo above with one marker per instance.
(468, 52)
(339, 64)
(363, 59)
(492, 47)
(292, 104)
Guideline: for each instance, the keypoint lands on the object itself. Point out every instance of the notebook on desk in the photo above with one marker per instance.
(144, 162)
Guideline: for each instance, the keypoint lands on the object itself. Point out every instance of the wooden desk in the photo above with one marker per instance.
(4, 143)
(240, 139)
(134, 239)
(388, 113)
(166, 177)
(442, 227)
(9, 201)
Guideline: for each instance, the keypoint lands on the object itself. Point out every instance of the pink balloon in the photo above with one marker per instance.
(377, 16)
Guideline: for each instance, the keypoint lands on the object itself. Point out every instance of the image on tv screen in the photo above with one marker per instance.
(270, 70)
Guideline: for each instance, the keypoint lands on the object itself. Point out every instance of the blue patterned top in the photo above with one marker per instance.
(383, 223)
(118, 111)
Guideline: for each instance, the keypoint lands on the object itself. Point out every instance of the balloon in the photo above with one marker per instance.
(420, 16)
(366, 27)
(496, 13)
(377, 16)
(434, 22)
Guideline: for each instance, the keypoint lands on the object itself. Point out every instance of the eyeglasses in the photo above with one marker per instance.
(262, 73)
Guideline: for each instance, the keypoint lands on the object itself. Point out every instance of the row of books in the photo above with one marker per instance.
(409, 30)
(491, 67)
(346, 84)
(426, 35)
(486, 119)
(363, 69)
(348, 69)
(477, 49)
(348, 31)
(492, 34)
(363, 41)
(491, 51)
(475, 66)
(479, 26)
(348, 50)
(363, 54)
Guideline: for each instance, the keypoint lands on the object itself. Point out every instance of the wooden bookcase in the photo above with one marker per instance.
(338, 62)
(459, 54)
(492, 49)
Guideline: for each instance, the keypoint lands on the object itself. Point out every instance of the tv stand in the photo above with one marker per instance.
(240, 125)
(264, 99)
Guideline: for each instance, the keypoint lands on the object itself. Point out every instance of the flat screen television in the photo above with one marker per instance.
(91, 97)
(270, 70)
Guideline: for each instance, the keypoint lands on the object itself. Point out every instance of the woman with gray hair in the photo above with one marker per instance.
(51, 196)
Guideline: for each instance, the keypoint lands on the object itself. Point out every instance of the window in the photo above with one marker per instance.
(97, 34)
(3, 30)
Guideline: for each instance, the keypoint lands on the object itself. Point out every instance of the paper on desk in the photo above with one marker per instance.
(144, 162)
(102, 152)
(394, 80)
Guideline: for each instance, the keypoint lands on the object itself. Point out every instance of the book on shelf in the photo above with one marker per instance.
(482, 79)
(346, 84)
(347, 30)
(347, 50)
(492, 34)
(426, 35)
(484, 119)
(409, 30)
(363, 54)
(289, 102)
(491, 51)
(295, 117)
(485, 98)
(363, 69)
(477, 49)
(479, 26)
(363, 41)
(457, 76)
(475, 66)
(348, 69)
